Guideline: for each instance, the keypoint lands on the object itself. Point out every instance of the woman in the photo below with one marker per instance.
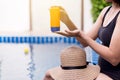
(107, 29)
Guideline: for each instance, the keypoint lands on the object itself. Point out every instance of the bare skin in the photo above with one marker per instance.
(101, 76)
(48, 76)
(87, 39)
(111, 53)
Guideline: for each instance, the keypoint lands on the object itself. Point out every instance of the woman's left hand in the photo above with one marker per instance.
(68, 33)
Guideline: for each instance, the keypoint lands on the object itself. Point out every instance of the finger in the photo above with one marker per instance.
(69, 32)
(61, 33)
(74, 33)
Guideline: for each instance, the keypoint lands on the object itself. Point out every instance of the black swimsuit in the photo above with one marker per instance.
(105, 34)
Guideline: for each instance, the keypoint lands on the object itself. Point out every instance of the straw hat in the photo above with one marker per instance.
(74, 66)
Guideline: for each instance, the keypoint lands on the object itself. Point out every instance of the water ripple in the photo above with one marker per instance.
(31, 64)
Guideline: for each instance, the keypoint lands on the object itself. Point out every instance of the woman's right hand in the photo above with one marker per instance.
(66, 20)
(63, 15)
(68, 33)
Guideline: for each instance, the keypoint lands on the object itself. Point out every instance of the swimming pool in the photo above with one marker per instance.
(44, 52)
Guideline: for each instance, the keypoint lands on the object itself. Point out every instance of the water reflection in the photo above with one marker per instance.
(31, 64)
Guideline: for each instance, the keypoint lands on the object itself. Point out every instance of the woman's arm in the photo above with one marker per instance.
(111, 53)
(93, 33)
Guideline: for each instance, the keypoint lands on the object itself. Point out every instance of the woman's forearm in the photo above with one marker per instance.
(103, 51)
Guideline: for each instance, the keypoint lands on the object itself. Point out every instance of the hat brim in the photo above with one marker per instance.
(89, 73)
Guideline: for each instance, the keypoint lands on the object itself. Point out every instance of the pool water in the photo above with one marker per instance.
(43, 54)
(14, 62)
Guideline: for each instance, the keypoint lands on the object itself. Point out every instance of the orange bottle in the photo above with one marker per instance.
(55, 18)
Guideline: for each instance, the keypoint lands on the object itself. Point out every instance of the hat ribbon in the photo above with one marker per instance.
(73, 67)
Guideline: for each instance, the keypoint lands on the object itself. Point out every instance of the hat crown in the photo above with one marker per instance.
(73, 56)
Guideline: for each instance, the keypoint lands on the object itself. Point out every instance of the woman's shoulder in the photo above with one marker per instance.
(118, 19)
(104, 10)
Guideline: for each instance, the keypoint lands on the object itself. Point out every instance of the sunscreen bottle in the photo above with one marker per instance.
(55, 18)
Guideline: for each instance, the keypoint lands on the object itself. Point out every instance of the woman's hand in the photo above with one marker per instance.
(66, 20)
(80, 35)
(63, 15)
(68, 33)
